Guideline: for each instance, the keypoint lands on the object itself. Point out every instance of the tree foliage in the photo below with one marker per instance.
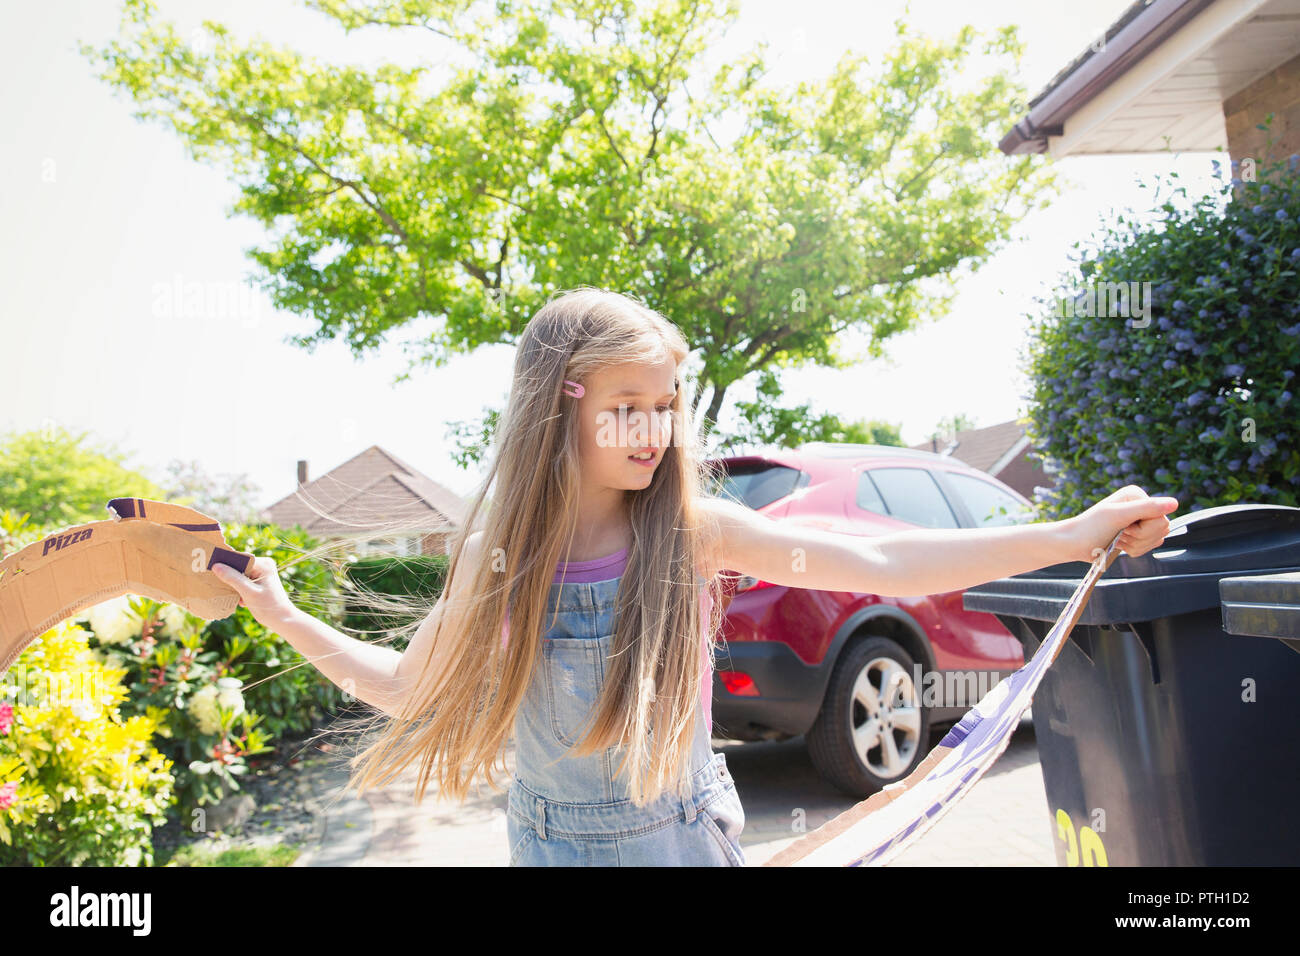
(946, 428)
(230, 498)
(59, 478)
(574, 142)
(765, 422)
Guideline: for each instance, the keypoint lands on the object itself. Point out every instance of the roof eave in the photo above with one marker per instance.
(1025, 138)
(1054, 106)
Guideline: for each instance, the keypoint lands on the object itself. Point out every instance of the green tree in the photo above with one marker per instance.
(228, 498)
(59, 479)
(573, 143)
(950, 426)
(471, 441)
(764, 422)
(877, 432)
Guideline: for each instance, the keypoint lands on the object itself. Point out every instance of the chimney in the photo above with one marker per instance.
(302, 472)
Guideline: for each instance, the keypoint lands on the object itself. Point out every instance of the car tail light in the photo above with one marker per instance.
(738, 683)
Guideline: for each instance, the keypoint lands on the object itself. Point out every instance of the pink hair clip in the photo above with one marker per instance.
(578, 390)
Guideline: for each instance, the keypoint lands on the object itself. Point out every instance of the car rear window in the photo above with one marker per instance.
(911, 494)
(758, 485)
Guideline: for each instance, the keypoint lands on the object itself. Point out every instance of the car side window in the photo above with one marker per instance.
(911, 494)
(989, 505)
(869, 495)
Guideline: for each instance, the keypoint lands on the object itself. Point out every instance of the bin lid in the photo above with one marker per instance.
(1267, 605)
(1180, 576)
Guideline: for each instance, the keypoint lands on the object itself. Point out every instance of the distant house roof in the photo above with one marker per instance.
(1157, 79)
(989, 449)
(369, 491)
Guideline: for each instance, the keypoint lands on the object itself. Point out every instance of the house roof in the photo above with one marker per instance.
(1158, 78)
(989, 449)
(368, 492)
(1094, 48)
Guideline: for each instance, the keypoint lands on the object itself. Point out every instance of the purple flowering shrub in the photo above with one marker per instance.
(1189, 392)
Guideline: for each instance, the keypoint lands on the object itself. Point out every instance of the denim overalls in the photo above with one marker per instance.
(573, 811)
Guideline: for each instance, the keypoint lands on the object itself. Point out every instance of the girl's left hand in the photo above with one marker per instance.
(1130, 508)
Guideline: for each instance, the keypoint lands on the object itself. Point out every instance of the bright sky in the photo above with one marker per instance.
(102, 213)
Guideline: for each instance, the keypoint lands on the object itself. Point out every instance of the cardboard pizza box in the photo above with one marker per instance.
(155, 549)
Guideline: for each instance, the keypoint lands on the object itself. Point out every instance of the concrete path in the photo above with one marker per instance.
(1003, 821)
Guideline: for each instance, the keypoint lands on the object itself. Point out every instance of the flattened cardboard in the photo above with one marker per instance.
(876, 830)
(164, 512)
(76, 568)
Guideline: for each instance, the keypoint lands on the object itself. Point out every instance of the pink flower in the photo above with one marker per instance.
(6, 718)
(7, 793)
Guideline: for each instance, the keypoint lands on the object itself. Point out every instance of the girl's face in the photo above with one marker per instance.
(625, 410)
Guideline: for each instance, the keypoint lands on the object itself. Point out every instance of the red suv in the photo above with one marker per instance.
(865, 678)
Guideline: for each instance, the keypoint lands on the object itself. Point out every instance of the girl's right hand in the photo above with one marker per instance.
(260, 590)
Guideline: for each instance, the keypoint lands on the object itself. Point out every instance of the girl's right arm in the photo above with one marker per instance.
(380, 676)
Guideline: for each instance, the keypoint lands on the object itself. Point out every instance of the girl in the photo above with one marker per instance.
(583, 596)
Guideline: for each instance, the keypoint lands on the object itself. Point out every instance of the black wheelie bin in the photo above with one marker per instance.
(1166, 739)
(1263, 606)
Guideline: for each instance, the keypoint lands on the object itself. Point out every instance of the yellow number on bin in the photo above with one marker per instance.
(1087, 845)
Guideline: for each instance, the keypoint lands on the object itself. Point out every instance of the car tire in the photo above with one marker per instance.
(846, 750)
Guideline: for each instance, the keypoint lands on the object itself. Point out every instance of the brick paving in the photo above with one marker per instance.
(1003, 821)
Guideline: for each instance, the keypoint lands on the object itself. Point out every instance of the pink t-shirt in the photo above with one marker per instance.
(612, 566)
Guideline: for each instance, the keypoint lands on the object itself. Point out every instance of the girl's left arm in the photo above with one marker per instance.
(931, 560)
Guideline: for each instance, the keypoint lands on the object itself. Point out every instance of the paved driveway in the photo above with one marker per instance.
(1003, 821)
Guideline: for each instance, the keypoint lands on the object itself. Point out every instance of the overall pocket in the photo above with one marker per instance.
(725, 819)
(522, 844)
(573, 669)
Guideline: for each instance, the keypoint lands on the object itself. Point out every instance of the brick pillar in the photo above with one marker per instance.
(1276, 92)
(435, 543)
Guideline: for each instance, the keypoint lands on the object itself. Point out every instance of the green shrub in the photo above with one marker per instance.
(421, 577)
(164, 655)
(1194, 399)
(81, 783)
(176, 662)
(211, 693)
(289, 693)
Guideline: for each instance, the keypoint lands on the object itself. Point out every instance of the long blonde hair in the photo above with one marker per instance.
(460, 722)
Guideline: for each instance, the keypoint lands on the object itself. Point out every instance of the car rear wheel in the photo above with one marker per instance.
(872, 729)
